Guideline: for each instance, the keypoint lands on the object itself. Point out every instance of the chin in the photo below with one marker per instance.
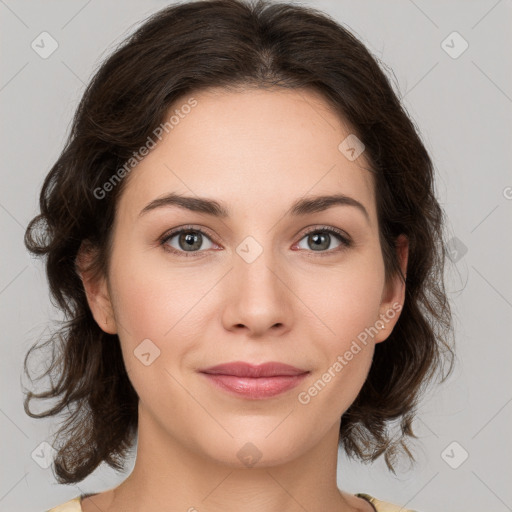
(253, 450)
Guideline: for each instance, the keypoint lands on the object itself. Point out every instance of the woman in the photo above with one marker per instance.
(229, 230)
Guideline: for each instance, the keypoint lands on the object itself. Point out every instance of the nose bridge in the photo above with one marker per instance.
(255, 265)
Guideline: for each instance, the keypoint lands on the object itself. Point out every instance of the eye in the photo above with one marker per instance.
(319, 240)
(187, 240)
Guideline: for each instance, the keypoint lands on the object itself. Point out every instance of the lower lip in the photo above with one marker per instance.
(256, 388)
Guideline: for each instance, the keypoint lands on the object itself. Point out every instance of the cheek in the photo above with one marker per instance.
(154, 309)
(357, 306)
(344, 351)
(159, 311)
(347, 302)
(150, 300)
(343, 301)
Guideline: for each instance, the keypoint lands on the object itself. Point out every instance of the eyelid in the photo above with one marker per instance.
(186, 227)
(330, 229)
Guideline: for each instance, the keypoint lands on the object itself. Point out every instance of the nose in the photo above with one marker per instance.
(258, 298)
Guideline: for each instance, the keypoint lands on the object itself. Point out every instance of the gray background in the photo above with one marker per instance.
(463, 108)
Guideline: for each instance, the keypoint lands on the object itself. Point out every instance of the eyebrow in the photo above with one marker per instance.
(303, 206)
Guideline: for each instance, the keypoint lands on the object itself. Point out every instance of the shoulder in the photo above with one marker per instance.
(70, 506)
(382, 506)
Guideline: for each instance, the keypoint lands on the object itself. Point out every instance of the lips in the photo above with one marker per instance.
(241, 369)
(254, 381)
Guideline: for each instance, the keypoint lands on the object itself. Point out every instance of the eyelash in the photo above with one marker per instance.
(346, 242)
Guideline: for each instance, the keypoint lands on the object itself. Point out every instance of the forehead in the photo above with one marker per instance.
(250, 149)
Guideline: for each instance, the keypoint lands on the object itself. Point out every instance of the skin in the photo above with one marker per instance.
(257, 151)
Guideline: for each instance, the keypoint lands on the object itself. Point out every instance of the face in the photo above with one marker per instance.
(263, 283)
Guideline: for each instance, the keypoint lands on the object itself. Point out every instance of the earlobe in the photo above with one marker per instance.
(96, 290)
(393, 296)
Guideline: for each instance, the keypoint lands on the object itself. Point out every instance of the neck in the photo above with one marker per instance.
(170, 475)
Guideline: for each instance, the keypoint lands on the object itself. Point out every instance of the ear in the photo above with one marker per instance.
(393, 295)
(96, 289)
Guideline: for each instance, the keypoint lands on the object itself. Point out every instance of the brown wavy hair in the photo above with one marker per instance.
(232, 44)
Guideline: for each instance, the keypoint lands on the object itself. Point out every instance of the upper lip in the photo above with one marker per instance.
(242, 369)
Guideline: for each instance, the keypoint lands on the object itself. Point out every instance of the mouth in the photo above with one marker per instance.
(254, 381)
